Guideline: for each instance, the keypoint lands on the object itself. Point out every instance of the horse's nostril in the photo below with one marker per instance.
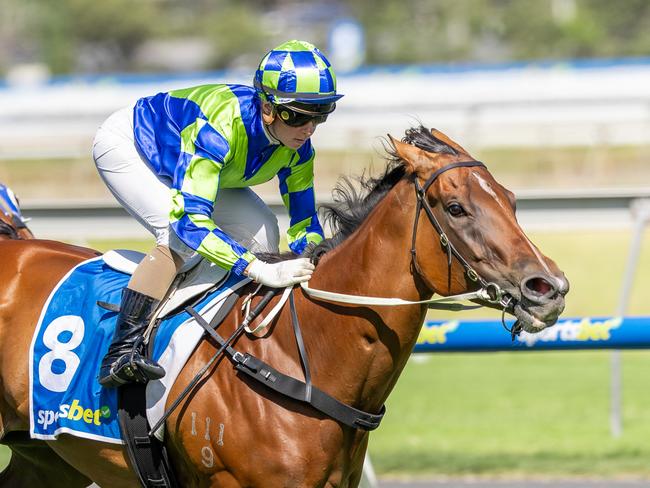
(539, 286)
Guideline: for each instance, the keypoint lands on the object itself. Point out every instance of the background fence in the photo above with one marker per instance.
(517, 104)
(558, 210)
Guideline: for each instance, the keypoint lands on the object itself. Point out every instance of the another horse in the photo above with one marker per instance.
(12, 223)
(233, 432)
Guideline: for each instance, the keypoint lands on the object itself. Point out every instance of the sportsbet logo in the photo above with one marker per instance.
(437, 334)
(73, 412)
(582, 330)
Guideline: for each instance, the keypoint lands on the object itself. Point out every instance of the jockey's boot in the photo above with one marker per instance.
(125, 361)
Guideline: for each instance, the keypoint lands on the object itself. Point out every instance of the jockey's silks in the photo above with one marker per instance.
(208, 137)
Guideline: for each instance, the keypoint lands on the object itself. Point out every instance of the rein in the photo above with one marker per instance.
(440, 303)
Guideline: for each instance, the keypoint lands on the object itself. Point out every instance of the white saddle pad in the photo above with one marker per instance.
(196, 280)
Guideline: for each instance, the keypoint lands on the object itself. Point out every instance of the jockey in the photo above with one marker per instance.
(9, 203)
(182, 163)
(11, 209)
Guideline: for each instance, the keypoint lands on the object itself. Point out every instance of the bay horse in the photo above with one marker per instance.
(436, 222)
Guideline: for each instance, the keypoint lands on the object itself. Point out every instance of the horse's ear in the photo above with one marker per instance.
(413, 157)
(444, 138)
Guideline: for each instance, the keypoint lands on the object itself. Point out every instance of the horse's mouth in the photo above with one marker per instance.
(535, 318)
(536, 301)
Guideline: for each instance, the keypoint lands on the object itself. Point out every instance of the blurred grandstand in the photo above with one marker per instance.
(537, 104)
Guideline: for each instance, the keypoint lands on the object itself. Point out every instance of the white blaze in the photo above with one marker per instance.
(488, 189)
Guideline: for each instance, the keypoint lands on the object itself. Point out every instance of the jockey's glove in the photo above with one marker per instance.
(282, 274)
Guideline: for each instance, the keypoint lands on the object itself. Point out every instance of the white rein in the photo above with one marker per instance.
(449, 303)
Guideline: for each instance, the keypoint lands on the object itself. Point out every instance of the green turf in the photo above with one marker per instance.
(523, 413)
(526, 413)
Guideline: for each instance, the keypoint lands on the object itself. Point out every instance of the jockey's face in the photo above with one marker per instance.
(292, 137)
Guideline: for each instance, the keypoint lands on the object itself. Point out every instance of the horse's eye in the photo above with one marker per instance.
(455, 210)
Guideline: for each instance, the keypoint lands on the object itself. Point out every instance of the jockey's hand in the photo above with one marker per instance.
(282, 274)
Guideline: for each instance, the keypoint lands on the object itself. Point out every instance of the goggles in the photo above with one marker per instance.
(298, 114)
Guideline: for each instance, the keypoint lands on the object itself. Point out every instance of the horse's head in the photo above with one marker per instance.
(470, 209)
(12, 223)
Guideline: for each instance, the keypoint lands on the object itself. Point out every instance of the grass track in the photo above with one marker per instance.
(543, 413)
(528, 413)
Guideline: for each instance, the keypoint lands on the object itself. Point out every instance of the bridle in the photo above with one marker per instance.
(495, 295)
(493, 291)
(487, 292)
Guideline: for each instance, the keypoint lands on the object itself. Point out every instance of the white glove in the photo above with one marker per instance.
(282, 274)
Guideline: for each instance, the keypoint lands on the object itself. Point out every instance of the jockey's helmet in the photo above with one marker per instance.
(298, 76)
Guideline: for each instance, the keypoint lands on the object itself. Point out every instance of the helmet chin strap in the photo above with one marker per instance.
(269, 132)
(267, 122)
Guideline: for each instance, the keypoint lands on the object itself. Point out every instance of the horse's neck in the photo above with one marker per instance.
(373, 261)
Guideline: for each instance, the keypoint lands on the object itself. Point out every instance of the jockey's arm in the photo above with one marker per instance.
(297, 189)
(191, 219)
(193, 197)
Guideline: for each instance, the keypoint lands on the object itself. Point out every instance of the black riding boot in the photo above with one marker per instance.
(125, 361)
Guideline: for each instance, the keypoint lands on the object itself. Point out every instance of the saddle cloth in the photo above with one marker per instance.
(73, 334)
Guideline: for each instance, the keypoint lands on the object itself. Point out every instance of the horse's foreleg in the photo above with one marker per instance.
(105, 464)
(33, 463)
(358, 464)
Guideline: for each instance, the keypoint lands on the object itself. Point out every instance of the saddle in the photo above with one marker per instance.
(144, 446)
(194, 280)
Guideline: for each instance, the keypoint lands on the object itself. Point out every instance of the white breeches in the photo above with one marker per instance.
(239, 212)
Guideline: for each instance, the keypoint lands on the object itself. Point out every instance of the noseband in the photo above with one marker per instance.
(492, 290)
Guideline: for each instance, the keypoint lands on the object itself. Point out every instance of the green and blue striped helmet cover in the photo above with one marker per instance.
(296, 71)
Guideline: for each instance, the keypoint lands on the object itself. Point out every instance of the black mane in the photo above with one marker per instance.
(353, 202)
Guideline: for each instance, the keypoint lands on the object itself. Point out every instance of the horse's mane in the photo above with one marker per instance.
(354, 198)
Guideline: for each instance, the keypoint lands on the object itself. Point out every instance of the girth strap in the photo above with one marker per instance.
(297, 390)
(292, 387)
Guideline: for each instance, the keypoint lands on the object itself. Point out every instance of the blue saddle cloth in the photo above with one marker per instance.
(70, 340)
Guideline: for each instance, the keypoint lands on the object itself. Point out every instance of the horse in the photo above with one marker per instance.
(12, 223)
(435, 223)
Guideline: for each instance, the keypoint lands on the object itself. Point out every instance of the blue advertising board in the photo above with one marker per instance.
(572, 333)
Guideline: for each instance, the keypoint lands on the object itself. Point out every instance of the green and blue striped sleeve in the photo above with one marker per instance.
(297, 190)
(194, 192)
